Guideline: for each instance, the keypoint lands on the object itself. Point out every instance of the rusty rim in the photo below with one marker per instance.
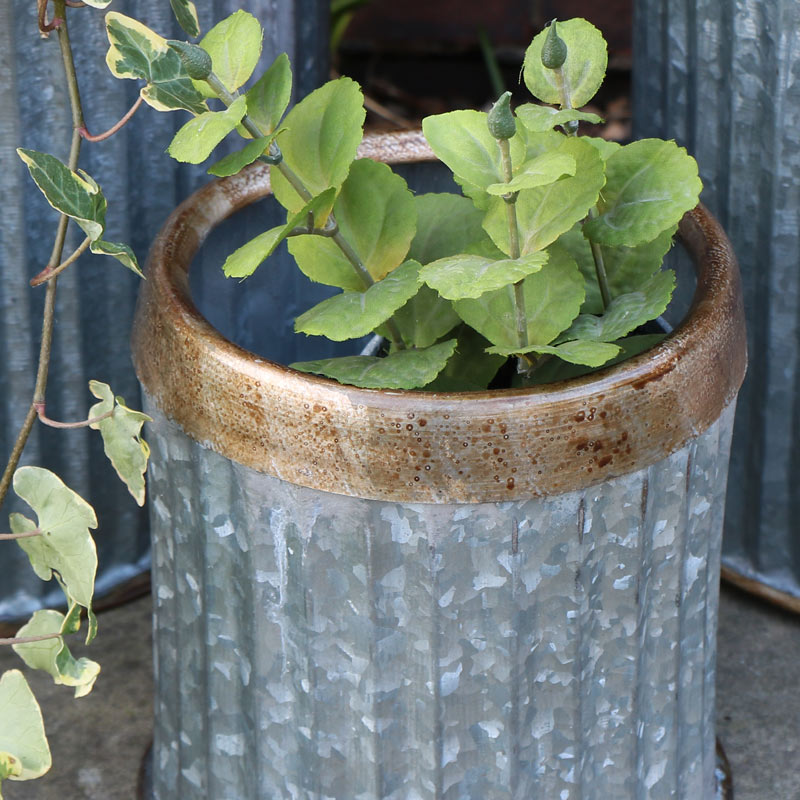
(422, 446)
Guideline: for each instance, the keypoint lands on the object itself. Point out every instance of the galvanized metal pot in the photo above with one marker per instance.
(376, 594)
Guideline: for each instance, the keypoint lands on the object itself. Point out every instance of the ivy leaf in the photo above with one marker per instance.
(186, 14)
(322, 134)
(98, 3)
(122, 442)
(136, 52)
(544, 213)
(461, 139)
(66, 546)
(24, 753)
(234, 45)
(544, 118)
(53, 655)
(351, 315)
(583, 71)
(553, 297)
(540, 171)
(626, 312)
(269, 96)
(194, 142)
(626, 267)
(404, 369)
(650, 185)
(471, 368)
(245, 260)
(463, 276)
(77, 196)
(376, 214)
(122, 252)
(585, 353)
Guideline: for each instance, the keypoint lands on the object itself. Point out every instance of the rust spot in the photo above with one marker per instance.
(486, 428)
(426, 453)
(603, 415)
(510, 486)
(656, 373)
(580, 416)
(581, 444)
(409, 427)
(598, 445)
(624, 436)
(423, 423)
(605, 461)
(496, 450)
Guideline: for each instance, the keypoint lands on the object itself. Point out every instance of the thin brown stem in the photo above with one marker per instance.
(75, 3)
(7, 537)
(28, 639)
(114, 128)
(45, 27)
(84, 423)
(48, 273)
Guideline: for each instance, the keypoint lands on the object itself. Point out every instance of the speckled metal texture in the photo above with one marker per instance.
(313, 646)
(429, 447)
(721, 78)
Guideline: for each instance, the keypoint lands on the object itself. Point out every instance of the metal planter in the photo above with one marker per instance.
(371, 594)
(720, 79)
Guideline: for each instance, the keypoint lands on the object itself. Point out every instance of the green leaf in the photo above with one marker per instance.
(235, 162)
(540, 171)
(447, 224)
(626, 312)
(351, 315)
(244, 261)
(322, 134)
(98, 3)
(377, 216)
(461, 139)
(463, 276)
(553, 297)
(627, 268)
(471, 368)
(586, 353)
(424, 319)
(194, 142)
(122, 252)
(606, 147)
(136, 52)
(186, 14)
(583, 71)
(544, 118)
(66, 545)
(234, 45)
(122, 441)
(24, 753)
(77, 196)
(544, 213)
(404, 369)
(269, 96)
(650, 185)
(53, 656)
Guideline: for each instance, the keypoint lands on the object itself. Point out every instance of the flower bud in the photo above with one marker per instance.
(554, 49)
(196, 60)
(502, 124)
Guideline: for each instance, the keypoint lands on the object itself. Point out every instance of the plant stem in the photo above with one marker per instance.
(84, 423)
(6, 537)
(514, 247)
(55, 257)
(296, 183)
(27, 639)
(48, 273)
(114, 128)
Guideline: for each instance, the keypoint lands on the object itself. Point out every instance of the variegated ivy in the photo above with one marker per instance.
(552, 253)
(58, 539)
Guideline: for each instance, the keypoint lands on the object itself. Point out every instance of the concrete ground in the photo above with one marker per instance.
(98, 741)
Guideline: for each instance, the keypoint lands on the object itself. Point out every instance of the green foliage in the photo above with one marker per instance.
(186, 14)
(24, 753)
(122, 439)
(544, 118)
(235, 162)
(194, 142)
(53, 656)
(582, 72)
(269, 96)
(78, 196)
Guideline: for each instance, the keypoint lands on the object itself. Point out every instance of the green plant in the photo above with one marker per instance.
(550, 257)
(59, 543)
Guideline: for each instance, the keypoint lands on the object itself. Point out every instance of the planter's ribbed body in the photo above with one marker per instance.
(721, 78)
(310, 645)
(366, 595)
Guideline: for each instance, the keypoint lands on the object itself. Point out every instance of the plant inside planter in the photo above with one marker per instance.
(546, 267)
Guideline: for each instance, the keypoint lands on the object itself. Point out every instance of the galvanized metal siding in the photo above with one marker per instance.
(723, 79)
(311, 645)
(96, 299)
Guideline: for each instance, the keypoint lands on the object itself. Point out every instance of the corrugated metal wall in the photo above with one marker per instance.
(723, 79)
(95, 299)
